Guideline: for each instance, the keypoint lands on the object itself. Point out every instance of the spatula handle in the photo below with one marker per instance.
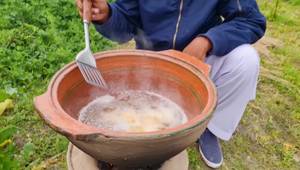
(87, 10)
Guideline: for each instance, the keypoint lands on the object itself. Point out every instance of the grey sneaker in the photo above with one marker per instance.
(210, 149)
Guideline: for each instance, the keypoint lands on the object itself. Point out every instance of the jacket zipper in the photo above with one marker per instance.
(239, 5)
(179, 18)
(177, 24)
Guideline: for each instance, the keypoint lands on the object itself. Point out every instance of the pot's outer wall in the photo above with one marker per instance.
(140, 153)
(187, 82)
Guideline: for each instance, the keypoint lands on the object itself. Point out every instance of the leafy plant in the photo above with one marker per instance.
(7, 149)
(36, 39)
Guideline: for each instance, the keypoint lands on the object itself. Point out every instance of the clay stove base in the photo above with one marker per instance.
(78, 160)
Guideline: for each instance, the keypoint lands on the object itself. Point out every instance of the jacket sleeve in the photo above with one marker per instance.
(243, 24)
(123, 22)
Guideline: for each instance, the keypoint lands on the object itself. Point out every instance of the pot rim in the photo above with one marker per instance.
(81, 131)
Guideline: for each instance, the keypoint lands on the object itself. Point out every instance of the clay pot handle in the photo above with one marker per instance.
(205, 68)
(46, 110)
(59, 121)
(87, 13)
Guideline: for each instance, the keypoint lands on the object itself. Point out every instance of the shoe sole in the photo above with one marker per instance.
(208, 163)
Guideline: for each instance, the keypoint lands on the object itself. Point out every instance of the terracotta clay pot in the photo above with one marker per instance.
(175, 75)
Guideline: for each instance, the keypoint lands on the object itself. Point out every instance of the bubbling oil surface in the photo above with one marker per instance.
(132, 111)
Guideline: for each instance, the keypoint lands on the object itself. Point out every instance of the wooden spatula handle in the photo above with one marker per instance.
(87, 10)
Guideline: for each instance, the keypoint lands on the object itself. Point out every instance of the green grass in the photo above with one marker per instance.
(36, 39)
(39, 37)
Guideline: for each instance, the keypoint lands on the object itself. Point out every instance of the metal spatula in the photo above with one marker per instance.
(85, 59)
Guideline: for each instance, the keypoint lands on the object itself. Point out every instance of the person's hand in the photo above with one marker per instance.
(98, 13)
(198, 48)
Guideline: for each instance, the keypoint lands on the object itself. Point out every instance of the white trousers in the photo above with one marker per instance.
(235, 76)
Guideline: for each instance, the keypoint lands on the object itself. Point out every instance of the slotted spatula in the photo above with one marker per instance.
(85, 59)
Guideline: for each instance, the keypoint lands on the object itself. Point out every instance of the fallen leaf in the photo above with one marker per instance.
(7, 104)
(6, 142)
(288, 146)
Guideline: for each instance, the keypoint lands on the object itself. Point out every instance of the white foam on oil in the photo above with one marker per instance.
(132, 111)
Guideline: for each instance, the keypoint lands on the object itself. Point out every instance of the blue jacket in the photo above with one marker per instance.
(173, 24)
